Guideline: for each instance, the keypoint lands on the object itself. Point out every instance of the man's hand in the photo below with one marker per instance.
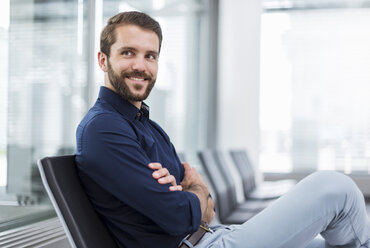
(163, 176)
(193, 182)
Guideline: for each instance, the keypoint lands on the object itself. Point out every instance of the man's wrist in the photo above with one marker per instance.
(197, 187)
(201, 191)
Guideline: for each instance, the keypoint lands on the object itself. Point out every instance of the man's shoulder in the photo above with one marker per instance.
(103, 118)
(101, 125)
(98, 114)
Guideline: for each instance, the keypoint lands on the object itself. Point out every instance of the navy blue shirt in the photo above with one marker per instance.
(115, 143)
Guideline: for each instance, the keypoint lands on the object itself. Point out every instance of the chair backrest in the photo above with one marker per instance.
(225, 207)
(82, 225)
(227, 175)
(245, 168)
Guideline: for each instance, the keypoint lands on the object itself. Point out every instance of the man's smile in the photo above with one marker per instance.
(136, 78)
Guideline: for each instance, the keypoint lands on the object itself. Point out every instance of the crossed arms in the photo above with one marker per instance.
(192, 182)
(115, 156)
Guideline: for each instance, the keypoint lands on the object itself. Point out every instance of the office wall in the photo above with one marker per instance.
(238, 73)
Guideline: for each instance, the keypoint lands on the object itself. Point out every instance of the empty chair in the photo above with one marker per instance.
(264, 190)
(225, 205)
(248, 204)
(82, 225)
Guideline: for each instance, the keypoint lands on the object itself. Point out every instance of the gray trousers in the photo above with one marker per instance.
(327, 203)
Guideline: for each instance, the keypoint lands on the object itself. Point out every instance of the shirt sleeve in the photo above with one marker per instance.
(113, 157)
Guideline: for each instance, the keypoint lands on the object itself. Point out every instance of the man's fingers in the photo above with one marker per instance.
(168, 179)
(160, 173)
(176, 188)
(163, 176)
(155, 166)
(172, 180)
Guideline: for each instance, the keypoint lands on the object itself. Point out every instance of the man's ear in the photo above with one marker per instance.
(103, 61)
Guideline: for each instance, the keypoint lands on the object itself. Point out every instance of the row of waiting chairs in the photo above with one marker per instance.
(85, 229)
(257, 196)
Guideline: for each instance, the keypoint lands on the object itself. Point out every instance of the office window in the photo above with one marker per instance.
(49, 78)
(43, 78)
(4, 27)
(315, 105)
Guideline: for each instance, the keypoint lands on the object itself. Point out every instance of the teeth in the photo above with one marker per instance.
(137, 79)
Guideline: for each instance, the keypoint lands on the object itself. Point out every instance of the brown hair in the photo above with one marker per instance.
(142, 20)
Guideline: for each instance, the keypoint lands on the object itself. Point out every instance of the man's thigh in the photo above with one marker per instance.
(228, 237)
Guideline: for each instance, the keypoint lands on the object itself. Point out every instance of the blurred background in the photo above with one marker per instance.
(287, 80)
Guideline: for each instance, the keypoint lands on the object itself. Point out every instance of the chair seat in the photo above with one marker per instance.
(271, 190)
(238, 217)
(254, 205)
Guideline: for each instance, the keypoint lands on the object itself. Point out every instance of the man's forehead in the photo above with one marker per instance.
(135, 37)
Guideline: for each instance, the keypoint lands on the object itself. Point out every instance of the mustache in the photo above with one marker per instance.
(136, 74)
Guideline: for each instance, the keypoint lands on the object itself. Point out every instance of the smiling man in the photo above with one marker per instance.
(126, 162)
(147, 198)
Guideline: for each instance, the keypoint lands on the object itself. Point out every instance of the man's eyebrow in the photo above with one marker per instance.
(135, 50)
(126, 48)
(153, 52)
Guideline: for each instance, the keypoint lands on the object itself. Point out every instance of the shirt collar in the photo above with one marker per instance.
(123, 106)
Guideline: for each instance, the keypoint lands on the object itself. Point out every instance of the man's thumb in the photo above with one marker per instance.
(186, 165)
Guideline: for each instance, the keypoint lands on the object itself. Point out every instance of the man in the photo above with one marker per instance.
(147, 198)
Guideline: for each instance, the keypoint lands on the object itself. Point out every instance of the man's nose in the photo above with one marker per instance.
(139, 64)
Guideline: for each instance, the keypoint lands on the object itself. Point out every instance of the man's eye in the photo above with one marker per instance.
(151, 57)
(127, 53)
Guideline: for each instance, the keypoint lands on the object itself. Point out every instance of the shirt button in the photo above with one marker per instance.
(138, 114)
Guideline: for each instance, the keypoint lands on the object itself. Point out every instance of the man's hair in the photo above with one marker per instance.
(142, 20)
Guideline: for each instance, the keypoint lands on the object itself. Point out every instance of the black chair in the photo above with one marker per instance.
(82, 224)
(225, 205)
(252, 190)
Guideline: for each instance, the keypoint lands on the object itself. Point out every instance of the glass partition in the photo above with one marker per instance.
(43, 79)
(315, 105)
(49, 78)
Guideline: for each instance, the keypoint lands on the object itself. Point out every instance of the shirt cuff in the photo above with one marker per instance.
(196, 212)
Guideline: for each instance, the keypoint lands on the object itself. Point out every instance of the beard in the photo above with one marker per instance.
(122, 89)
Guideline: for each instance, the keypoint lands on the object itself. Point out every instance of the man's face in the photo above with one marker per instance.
(133, 62)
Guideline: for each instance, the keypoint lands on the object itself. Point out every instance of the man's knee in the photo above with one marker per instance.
(333, 185)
